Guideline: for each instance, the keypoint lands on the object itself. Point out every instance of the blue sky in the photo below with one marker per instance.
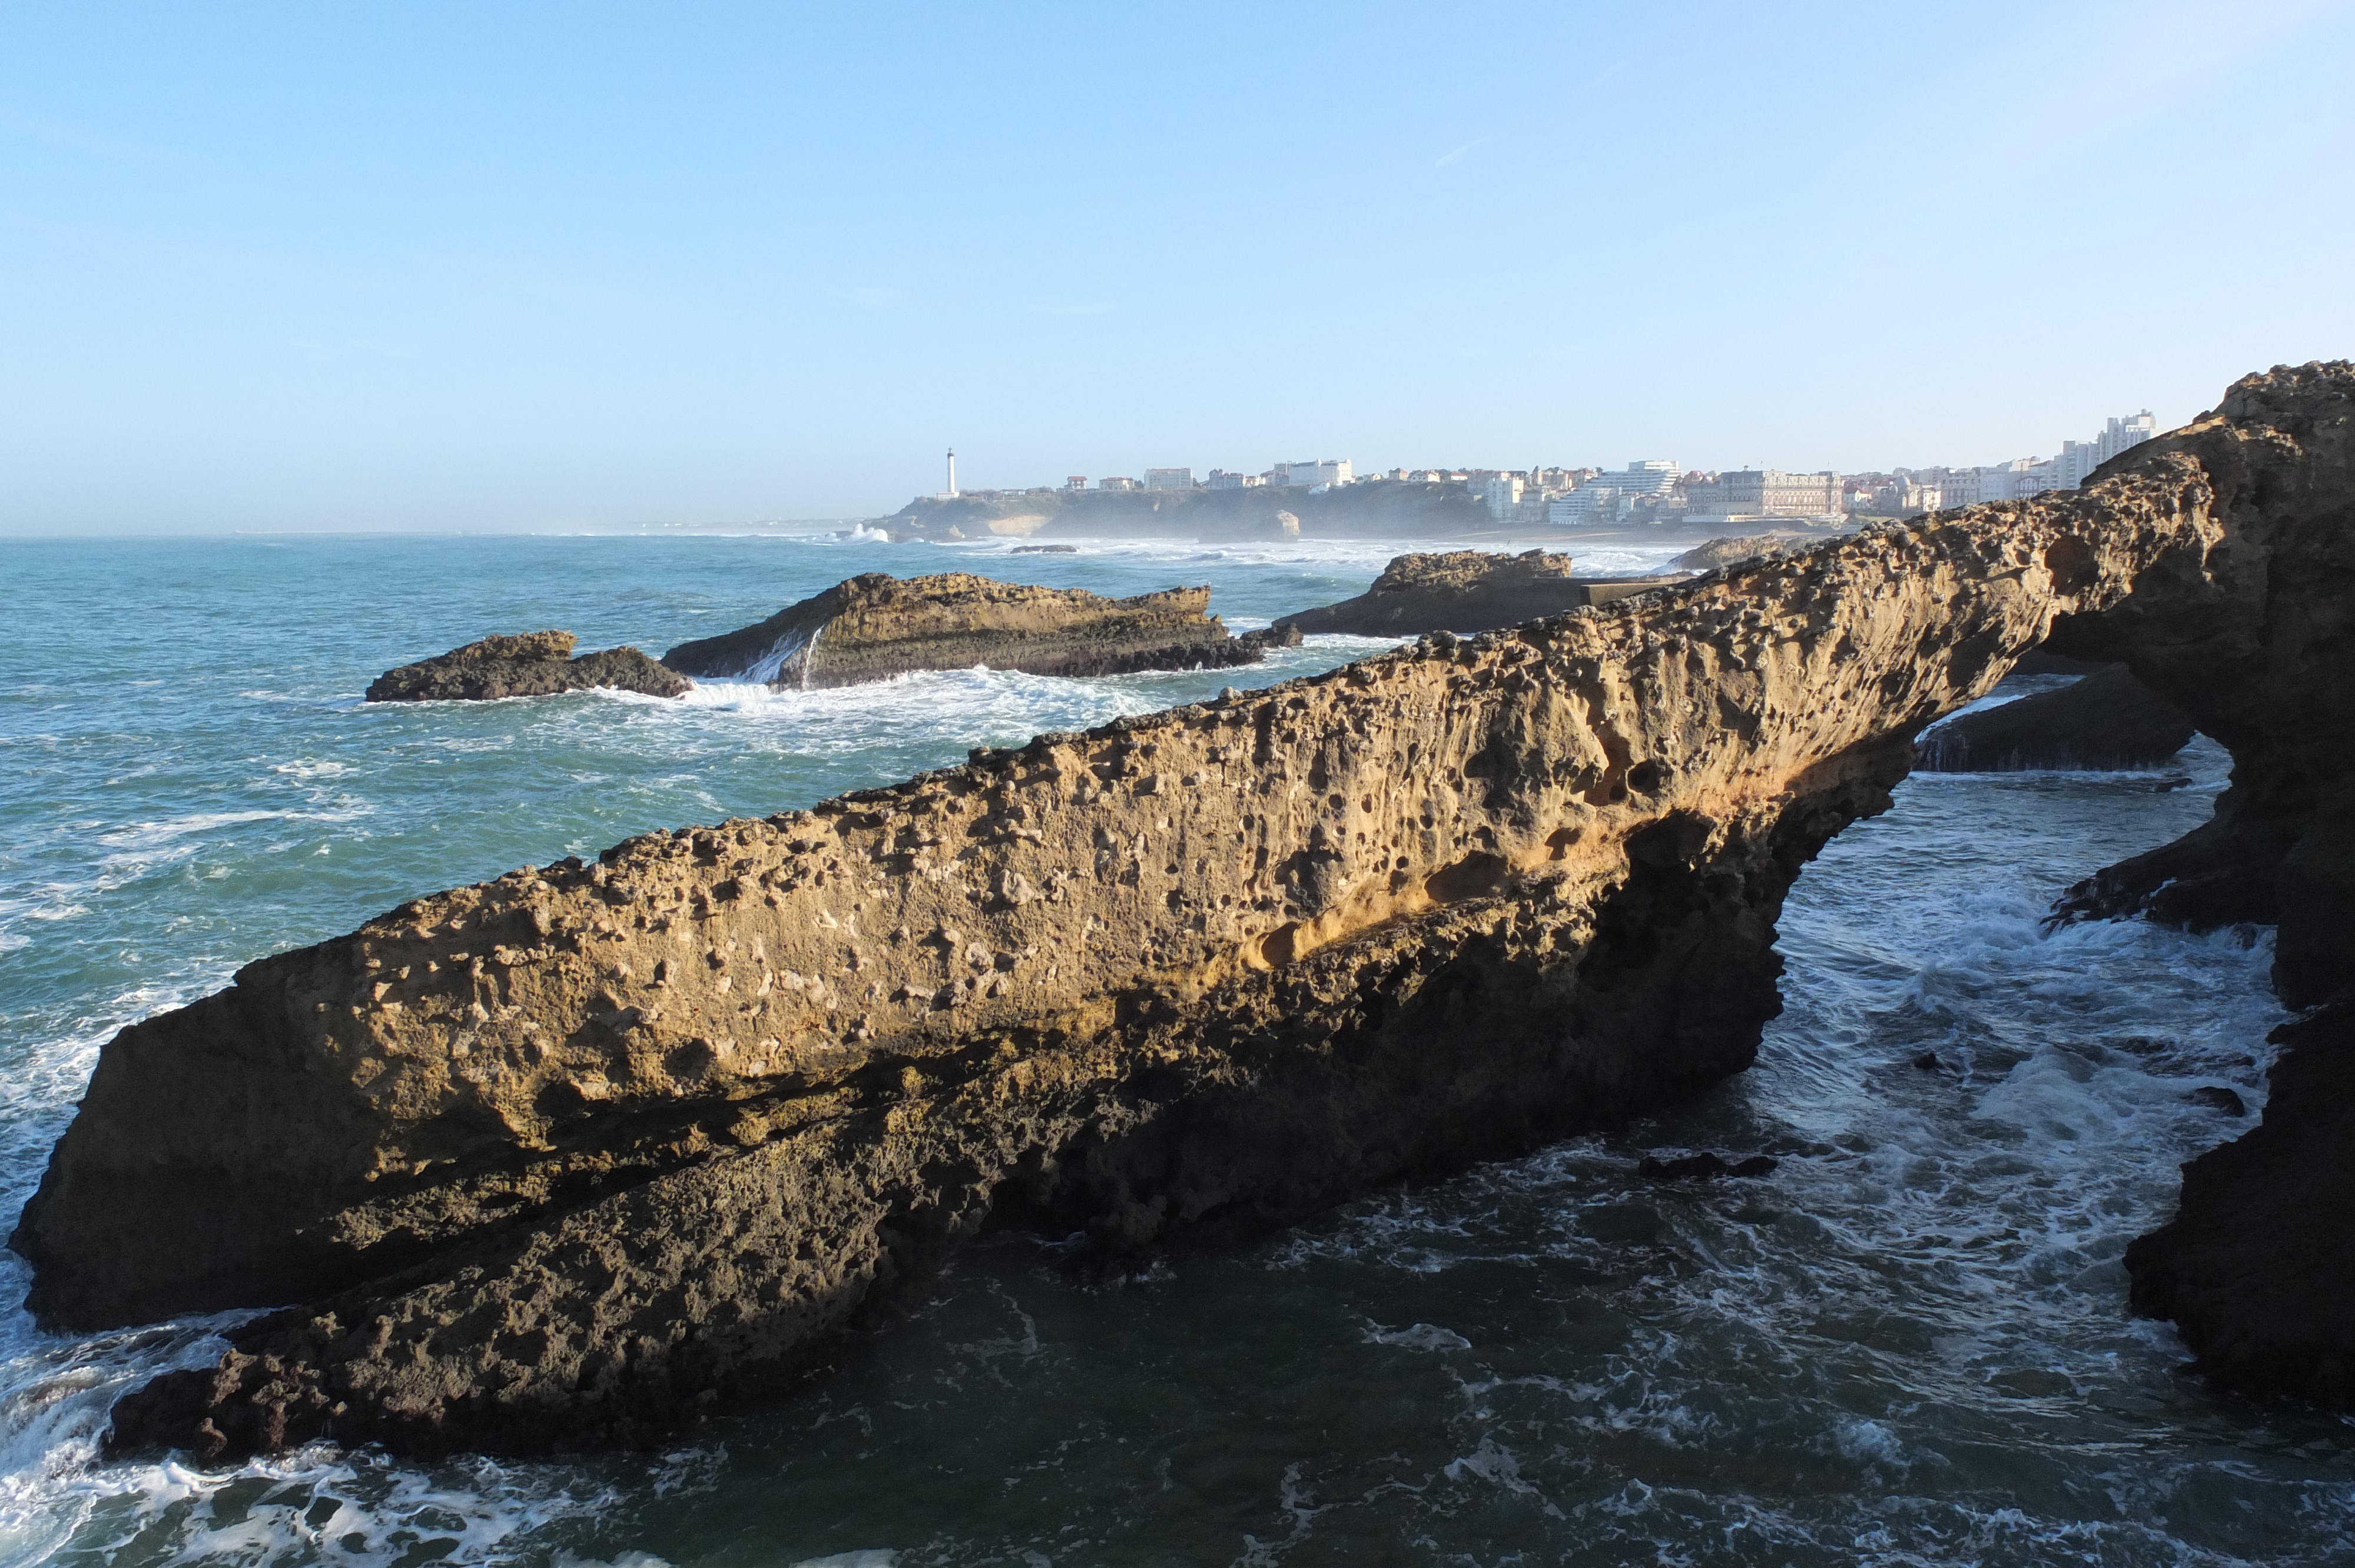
(524, 265)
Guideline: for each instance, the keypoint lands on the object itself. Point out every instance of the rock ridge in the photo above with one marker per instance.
(875, 626)
(570, 1157)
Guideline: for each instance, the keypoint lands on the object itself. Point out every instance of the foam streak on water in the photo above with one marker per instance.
(1907, 1345)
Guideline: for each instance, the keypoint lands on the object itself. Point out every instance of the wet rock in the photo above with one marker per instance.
(2105, 721)
(2216, 1097)
(1705, 1166)
(1620, 1222)
(1930, 1062)
(2257, 1267)
(535, 664)
(876, 626)
(568, 1157)
(1465, 590)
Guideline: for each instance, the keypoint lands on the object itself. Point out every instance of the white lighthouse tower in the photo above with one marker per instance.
(952, 473)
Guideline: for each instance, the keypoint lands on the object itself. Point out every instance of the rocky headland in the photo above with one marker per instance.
(1466, 591)
(875, 626)
(1369, 509)
(2105, 720)
(573, 1156)
(535, 664)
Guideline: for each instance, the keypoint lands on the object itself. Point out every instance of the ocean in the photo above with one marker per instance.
(1907, 1345)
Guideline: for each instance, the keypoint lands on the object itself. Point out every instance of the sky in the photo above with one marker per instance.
(521, 266)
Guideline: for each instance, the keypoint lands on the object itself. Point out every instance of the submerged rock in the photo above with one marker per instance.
(1465, 590)
(535, 664)
(570, 1157)
(876, 626)
(2107, 720)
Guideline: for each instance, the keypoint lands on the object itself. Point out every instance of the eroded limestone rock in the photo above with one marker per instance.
(875, 626)
(562, 1158)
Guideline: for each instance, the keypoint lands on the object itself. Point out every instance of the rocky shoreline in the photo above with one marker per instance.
(573, 1157)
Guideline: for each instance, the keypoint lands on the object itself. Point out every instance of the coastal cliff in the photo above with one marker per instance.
(875, 626)
(565, 1158)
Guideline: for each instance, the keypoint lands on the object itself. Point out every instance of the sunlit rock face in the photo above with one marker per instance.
(559, 1159)
(875, 626)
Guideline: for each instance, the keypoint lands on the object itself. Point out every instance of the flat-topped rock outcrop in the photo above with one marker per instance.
(876, 626)
(2107, 720)
(535, 664)
(1466, 591)
(1712, 554)
(573, 1156)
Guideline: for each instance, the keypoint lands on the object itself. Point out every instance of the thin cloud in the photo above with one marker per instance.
(1448, 159)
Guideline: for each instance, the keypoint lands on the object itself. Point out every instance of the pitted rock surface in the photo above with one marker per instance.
(564, 1158)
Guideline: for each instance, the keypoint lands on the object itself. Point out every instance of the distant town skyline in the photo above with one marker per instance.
(543, 268)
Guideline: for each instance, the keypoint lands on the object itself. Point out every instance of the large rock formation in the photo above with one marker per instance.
(2257, 1269)
(876, 626)
(2107, 720)
(1731, 551)
(535, 664)
(1463, 591)
(568, 1157)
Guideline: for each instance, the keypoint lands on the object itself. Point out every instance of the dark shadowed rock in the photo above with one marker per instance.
(1706, 1166)
(2107, 720)
(535, 664)
(1465, 590)
(2257, 1269)
(876, 626)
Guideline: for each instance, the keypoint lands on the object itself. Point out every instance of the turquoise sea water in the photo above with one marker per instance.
(1907, 1345)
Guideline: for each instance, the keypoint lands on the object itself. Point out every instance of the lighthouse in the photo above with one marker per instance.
(952, 473)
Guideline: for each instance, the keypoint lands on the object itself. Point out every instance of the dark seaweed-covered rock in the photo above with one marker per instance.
(535, 664)
(2107, 720)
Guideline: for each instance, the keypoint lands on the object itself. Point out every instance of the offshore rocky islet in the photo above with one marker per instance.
(1534, 841)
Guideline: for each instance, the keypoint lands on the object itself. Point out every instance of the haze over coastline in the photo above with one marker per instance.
(554, 270)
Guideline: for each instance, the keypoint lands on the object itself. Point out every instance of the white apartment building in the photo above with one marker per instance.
(1169, 479)
(2023, 477)
(1118, 482)
(1329, 471)
(1502, 491)
(1613, 493)
(1221, 480)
